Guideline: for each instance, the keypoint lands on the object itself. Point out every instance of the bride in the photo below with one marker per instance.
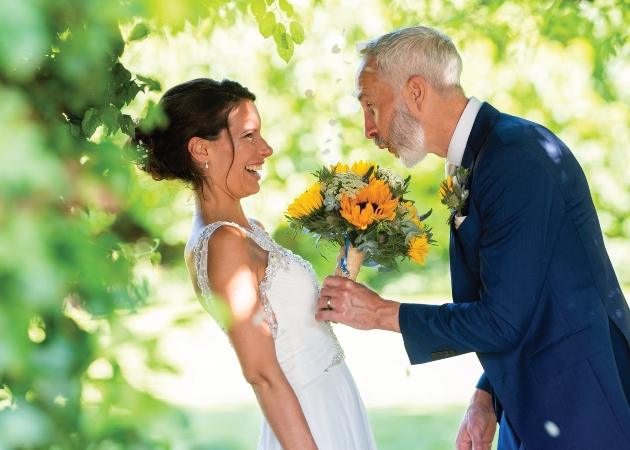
(294, 364)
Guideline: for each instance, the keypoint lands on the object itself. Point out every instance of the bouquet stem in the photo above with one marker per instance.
(353, 262)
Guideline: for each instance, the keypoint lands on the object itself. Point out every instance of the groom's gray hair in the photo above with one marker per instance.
(417, 51)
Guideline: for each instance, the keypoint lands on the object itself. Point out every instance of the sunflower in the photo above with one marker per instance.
(418, 249)
(306, 203)
(413, 213)
(359, 167)
(446, 187)
(373, 202)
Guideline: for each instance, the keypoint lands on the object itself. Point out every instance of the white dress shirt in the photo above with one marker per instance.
(458, 143)
(462, 132)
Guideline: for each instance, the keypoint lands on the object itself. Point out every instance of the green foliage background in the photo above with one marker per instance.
(82, 232)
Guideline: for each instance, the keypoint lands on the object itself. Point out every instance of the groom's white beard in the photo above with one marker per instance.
(406, 137)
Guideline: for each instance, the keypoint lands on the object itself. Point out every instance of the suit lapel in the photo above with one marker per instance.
(483, 122)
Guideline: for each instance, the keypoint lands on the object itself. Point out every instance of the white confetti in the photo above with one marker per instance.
(332, 122)
(325, 151)
(361, 46)
(328, 140)
(552, 429)
(309, 93)
(340, 135)
(336, 49)
(355, 107)
(343, 33)
(356, 92)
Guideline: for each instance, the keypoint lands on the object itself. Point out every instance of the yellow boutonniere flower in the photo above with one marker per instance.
(454, 193)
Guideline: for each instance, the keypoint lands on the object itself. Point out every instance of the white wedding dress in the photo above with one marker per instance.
(307, 350)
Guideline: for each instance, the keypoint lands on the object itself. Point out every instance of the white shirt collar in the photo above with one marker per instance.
(462, 132)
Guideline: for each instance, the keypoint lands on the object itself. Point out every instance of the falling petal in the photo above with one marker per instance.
(355, 93)
(328, 140)
(343, 33)
(340, 135)
(332, 122)
(336, 49)
(361, 46)
(326, 151)
(309, 93)
(355, 107)
(552, 429)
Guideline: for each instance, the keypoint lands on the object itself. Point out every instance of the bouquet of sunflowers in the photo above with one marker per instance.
(362, 208)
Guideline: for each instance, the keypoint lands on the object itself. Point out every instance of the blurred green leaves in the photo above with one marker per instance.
(273, 19)
(80, 230)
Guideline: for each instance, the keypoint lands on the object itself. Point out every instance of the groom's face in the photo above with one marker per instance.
(387, 119)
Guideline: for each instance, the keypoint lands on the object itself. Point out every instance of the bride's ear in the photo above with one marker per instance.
(198, 149)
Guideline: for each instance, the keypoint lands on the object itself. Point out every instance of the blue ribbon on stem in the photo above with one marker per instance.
(344, 261)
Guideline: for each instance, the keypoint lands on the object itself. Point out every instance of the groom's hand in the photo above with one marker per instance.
(356, 305)
(477, 429)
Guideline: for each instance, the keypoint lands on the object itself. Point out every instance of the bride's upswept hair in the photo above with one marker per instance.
(196, 108)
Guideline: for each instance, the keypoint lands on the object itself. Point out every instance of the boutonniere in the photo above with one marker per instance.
(454, 193)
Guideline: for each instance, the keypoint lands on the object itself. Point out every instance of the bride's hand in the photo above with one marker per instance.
(354, 304)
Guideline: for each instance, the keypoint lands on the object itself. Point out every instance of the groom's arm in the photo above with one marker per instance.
(521, 210)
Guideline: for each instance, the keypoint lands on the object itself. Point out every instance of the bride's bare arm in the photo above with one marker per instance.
(233, 274)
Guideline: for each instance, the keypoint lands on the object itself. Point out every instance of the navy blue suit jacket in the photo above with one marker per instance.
(534, 292)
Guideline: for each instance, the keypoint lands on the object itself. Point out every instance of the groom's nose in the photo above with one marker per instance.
(370, 126)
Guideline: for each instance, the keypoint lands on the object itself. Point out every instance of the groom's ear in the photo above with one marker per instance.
(415, 93)
(198, 149)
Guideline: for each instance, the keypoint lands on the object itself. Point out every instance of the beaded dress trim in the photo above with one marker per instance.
(279, 259)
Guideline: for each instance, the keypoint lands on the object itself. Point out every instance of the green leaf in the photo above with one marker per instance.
(286, 53)
(127, 125)
(91, 121)
(154, 118)
(152, 83)
(280, 36)
(267, 25)
(109, 115)
(75, 130)
(140, 31)
(297, 32)
(258, 8)
(155, 258)
(286, 7)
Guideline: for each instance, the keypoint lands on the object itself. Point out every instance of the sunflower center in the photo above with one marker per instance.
(362, 205)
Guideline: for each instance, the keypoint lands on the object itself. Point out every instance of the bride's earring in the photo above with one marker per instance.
(206, 165)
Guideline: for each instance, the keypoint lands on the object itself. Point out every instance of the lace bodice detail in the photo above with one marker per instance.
(279, 259)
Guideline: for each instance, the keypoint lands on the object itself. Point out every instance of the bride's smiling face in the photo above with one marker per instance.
(237, 169)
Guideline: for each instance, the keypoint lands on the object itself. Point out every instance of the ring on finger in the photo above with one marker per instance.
(328, 303)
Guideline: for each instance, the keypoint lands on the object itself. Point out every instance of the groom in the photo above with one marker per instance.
(534, 292)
